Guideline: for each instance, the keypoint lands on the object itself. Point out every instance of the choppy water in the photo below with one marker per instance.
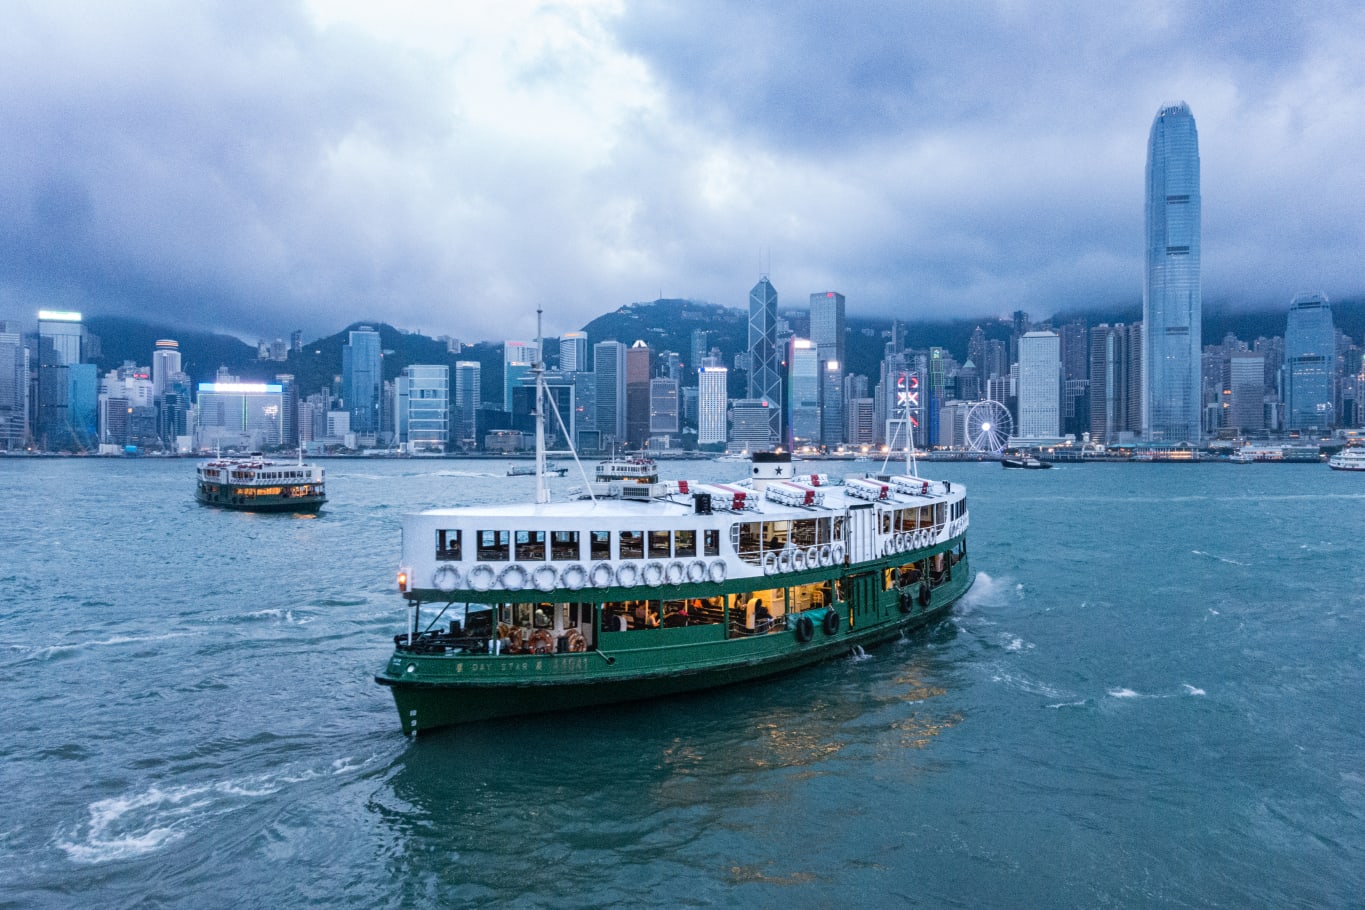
(1152, 697)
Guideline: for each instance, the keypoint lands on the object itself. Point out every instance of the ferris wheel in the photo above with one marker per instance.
(989, 426)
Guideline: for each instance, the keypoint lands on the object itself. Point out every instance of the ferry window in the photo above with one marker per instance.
(775, 534)
(563, 545)
(599, 544)
(495, 545)
(543, 617)
(684, 543)
(530, 545)
(749, 536)
(632, 545)
(839, 527)
(803, 532)
(886, 522)
(710, 543)
(822, 531)
(658, 545)
(447, 544)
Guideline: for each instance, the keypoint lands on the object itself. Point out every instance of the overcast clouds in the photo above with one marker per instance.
(259, 167)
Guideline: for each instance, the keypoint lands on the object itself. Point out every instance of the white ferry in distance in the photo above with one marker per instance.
(1348, 459)
(642, 587)
(253, 483)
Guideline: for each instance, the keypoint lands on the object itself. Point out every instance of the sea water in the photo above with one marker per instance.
(1151, 697)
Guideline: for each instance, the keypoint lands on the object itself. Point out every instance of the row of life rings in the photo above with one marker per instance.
(541, 641)
(908, 540)
(575, 576)
(796, 559)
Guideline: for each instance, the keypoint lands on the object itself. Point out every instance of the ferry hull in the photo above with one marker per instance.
(262, 504)
(433, 691)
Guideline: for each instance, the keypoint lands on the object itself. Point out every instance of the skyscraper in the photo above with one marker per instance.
(423, 418)
(517, 358)
(14, 362)
(765, 380)
(803, 394)
(573, 352)
(639, 359)
(711, 384)
(1171, 301)
(468, 398)
(360, 380)
(1310, 356)
(609, 366)
(1040, 384)
(827, 325)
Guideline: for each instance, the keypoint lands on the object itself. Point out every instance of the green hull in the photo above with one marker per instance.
(435, 690)
(264, 504)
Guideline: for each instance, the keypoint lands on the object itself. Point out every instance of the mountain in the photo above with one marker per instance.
(665, 324)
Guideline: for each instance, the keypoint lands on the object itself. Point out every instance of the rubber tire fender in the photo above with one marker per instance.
(805, 629)
(924, 595)
(831, 622)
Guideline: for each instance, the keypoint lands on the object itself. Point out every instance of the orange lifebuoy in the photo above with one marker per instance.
(542, 642)
(575, 641)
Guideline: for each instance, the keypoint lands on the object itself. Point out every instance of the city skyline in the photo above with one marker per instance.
(264, 170)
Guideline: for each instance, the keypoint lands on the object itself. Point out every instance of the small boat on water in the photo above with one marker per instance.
(529, 470)
(1031, 464)
(642, 587)
(253, 483)
(1348, 459)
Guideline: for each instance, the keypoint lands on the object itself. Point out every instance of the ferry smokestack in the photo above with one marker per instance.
(770, 466)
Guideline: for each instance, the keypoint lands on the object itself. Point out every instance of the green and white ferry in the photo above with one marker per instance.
(641, 587)
(254, 483)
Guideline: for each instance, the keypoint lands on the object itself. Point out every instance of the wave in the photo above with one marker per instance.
(1231, 562)
(136, 824)
(115, 641)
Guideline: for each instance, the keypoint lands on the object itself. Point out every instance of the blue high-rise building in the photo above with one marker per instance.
(1171, 303)
(765, 377)
(1310, 364)
(361, 365)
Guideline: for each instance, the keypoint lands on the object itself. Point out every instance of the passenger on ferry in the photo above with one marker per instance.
(762, 619)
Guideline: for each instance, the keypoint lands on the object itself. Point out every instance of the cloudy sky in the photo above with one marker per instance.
(257, 167)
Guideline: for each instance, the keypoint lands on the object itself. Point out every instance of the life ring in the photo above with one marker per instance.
(813, 558)
(798, 560)
(716, 571)
(907, 601)
(924, 595)
(545, 578)
(541, 642)
(513, 578)
(653, 574)
(447, 578)
(481, 577)
(836, 551)
(696, 571)
(831, 623)
(514, 642)
(627, 574)
(805, 629)
(574, 641)
(898, 541)
(826, 555)
(769, 562)
(573, 577)
(675, 573)
(784, 561)
(601, 575)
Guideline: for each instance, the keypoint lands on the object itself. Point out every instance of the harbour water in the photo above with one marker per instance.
(1150, 698)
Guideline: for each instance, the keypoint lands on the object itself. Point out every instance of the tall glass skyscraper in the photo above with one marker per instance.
(1171, 303)
(765, 379)
(361, 366)
(1310, 364)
